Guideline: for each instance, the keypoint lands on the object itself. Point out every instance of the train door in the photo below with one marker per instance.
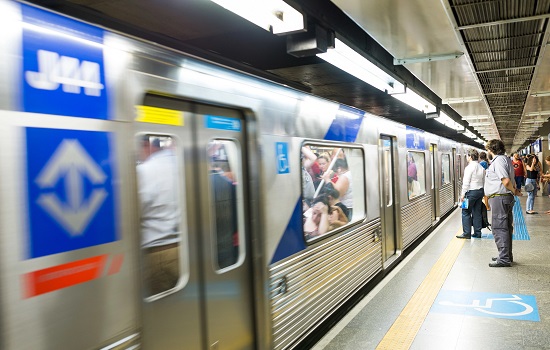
(387, 176)
(435, 182)
(458, 174)
(196, 264)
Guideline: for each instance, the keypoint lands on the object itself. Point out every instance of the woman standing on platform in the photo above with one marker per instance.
(546, 179)
(472, 191)
(533, 167)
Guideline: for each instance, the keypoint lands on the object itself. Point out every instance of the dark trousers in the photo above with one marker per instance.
(503, 226)
(472, 215)
(520, 181)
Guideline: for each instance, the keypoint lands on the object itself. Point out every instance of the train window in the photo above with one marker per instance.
(333, 192)
(227, 203)
(416, 174)
(445, 169)
(161, 222)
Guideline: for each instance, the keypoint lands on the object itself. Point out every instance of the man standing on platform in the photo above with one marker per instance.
(500, 188)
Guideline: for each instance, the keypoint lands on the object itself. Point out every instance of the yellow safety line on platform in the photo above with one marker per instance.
(403, 331)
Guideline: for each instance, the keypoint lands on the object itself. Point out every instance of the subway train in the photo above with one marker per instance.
(262, 249)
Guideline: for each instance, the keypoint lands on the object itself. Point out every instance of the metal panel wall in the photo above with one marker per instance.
(416, 219)
(446, 198)
(304, 290)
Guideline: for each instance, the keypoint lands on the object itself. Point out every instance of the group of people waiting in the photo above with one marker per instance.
(528, 173)
(327, 192)
(497, 185)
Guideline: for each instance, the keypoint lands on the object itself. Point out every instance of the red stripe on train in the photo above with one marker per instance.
(63, 276)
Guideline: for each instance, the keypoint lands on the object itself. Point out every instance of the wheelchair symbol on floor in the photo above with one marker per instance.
(476, 305)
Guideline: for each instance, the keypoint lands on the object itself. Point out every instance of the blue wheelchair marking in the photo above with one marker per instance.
(70, 181)
(63, 71)
(283, 164)
(222, 123)
(345, 125)
(510, 306)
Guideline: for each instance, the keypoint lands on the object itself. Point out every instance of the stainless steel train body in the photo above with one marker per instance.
(76, 101)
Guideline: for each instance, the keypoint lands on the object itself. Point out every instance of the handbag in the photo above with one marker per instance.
(464, 204)
(529, 187)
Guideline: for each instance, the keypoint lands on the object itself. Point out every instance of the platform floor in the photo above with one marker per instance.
(445, 296)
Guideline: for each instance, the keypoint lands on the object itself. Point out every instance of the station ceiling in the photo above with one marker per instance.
(485, 63)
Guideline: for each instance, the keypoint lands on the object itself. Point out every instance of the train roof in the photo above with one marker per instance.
(482, 63)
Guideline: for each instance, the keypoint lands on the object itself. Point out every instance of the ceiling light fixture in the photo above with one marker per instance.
(474, 117)
(455, 100)
(272, 15)
(480, 124)
(449, 122)
(416, 101)
(350, 61)
(534, 114)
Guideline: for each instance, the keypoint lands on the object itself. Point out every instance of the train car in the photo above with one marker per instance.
(152, 199)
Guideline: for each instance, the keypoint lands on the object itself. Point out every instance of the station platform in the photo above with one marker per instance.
(444, 295)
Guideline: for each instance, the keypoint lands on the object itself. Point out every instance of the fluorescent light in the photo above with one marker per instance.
(474, 117)
(470, 134)
(480, 141)
(534, 121)
(485, 128)
(274, 15)
(480, 124)
(453, 100)
(416, 101)
(350, 61)
(534, 114)
(449, 122)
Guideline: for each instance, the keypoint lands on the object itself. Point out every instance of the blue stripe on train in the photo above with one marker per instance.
(293, 239)
(344, 127)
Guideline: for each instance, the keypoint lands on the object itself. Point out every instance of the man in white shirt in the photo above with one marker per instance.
(160, 214)
(472, 190)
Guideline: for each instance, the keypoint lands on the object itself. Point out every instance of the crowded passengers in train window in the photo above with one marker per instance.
(445, 169)
(332, 188)
(416, 174)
